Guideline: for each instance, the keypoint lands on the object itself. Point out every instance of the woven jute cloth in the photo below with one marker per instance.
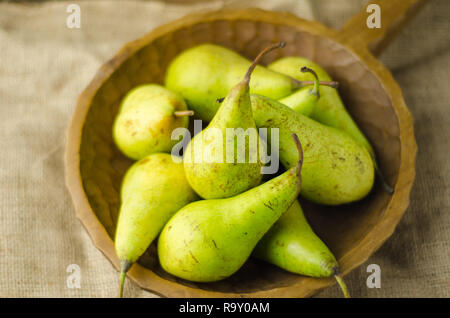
(44, 66)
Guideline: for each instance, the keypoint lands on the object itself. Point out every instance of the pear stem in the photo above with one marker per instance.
(380, 176)
(259, 56)
(124, 267)
(300, 84)
(343, 286)
(121, 283)
(315, 90)
(182, 113)
(298, 167)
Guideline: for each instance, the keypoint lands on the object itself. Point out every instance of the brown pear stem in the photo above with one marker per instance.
(315, 90)
(383, 181)
(300, 84)
(300, 156)
(182, 113)
(259, 56)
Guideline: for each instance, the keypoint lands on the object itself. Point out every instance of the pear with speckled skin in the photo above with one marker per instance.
(304, 100)
(147, 117)
(225, 158)
(330, 109)
(336, 168)
(209, 240)
(153, 189)
(292, 245)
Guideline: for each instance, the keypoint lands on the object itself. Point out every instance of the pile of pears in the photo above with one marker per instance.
(210, 217)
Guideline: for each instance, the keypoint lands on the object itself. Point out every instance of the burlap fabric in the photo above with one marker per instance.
(44, 66)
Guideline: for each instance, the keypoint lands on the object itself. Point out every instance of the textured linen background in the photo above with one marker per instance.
(43, 68)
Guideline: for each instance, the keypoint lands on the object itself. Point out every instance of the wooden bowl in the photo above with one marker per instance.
(95, 167)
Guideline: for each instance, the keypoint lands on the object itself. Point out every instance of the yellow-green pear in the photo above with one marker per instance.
(292, 245)
(204, 73)
(147, 116)
(210, 240)
(330, 109)
(336, 168)
(153, 189)
(305, 99)
(224, 159)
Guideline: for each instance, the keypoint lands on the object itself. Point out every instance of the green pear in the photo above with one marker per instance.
(330, 109)
(152, 190)
(224, 159)
(207, 72)
(292, 245)
(147, 116)
(336, 169)
(304, 100)
(210, 240)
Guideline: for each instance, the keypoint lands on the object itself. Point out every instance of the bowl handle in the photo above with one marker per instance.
(394, 15)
